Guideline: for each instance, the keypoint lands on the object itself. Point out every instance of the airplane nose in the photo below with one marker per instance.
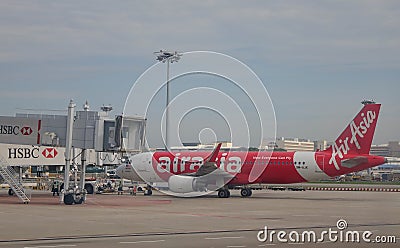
(127, 170)
(120, 170)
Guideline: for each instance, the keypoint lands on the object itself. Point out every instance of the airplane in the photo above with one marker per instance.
(202, 171)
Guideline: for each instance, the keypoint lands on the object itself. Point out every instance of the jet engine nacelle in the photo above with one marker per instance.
(185, 184)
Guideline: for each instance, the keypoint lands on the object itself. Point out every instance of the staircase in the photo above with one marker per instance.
(10, 177)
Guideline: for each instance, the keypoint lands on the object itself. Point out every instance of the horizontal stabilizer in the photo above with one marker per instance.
(353, 162)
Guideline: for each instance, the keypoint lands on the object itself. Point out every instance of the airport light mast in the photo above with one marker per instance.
(168, 57)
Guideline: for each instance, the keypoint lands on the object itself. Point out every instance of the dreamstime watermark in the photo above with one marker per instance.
(338, 234)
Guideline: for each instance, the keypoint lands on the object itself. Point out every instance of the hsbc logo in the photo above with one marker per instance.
(15, 130)
(26, 130)
(49, 153)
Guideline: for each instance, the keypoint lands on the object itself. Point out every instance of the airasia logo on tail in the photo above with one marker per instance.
(357, 131)
(49, 153)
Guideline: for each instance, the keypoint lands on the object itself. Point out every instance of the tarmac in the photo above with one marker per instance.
(165, 221)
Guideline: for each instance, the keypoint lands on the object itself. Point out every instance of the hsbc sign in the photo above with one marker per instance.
(29, 153)
(15, 130)
(26, 155)
(20, 130)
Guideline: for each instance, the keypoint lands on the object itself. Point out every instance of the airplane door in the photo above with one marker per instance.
(143, 164)
(145, 169)
(320, 166)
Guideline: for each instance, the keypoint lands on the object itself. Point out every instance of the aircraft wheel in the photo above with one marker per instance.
(10, 192)
(224, 193)
(89, 188)
(69, 199)
(80, 201)
(245, 192)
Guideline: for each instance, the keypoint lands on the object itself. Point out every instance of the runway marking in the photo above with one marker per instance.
(306, 215)
(236, 246)
(216, 238)
(142, 241)
(265, 245)
(49, 246)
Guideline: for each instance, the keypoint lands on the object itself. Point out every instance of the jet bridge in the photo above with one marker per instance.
(49, 136)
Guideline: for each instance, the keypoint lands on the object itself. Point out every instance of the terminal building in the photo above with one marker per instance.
(392, 149)
(294, 144)
(199, 146)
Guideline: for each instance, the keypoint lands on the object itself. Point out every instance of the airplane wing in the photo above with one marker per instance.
(353, 162)
(209, 166)
(209, 163)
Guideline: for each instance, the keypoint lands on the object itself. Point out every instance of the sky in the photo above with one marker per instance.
(317, 59)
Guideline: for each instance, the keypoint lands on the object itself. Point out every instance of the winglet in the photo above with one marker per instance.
(213, 156)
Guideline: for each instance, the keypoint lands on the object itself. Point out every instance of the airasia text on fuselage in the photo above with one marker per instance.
(186, 164)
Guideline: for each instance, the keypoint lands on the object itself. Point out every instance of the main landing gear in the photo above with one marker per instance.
(246, 192)
(225, 193)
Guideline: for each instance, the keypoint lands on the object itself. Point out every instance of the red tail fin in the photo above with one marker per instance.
(358, 135)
